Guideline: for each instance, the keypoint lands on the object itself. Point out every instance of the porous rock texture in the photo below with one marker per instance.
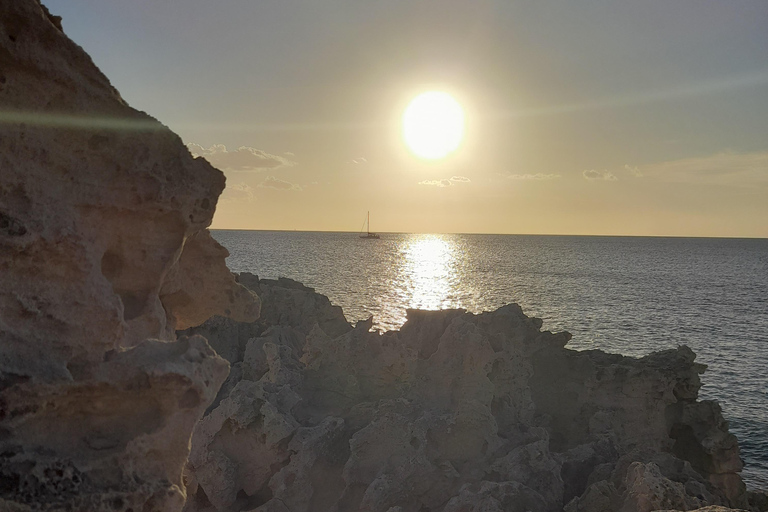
(455, 413)
(104, 253)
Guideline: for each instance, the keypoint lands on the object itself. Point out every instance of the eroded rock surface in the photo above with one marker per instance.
(454, 412)
(104, 253)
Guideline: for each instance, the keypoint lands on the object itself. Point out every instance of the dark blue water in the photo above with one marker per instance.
(620, 294)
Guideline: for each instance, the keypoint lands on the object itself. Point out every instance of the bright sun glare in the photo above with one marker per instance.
(433, 125)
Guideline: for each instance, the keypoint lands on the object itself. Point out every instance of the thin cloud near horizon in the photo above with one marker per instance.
(273, 182)
(538, 176)
(594, 175)
(446, 182)
(243, 159)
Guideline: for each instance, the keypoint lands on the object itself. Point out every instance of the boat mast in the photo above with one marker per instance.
(369, 222)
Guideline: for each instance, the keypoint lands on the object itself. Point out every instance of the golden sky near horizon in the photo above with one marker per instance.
(597, 117)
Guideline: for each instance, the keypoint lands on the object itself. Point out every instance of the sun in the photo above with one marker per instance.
(433, 125)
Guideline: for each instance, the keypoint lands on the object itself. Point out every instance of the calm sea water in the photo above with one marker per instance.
(620, 294)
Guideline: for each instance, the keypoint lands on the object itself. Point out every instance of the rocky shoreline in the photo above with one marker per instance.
(453, 412)
(269, 399)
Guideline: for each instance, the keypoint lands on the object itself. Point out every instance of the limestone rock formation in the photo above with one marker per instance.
(104, 252)
(455, 412)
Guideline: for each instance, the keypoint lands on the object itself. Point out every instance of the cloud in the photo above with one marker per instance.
(593, 175)
(359, 160)
(436, 183)
(538, 176)
(242, 159)
(272, 182)
(446, 182)
(238, 192)
(728, 169)
(725, 168)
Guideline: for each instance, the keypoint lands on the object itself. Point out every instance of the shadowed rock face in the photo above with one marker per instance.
(454, 412)
(104, 252)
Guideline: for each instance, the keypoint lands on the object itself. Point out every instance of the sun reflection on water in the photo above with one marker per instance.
(429, 272)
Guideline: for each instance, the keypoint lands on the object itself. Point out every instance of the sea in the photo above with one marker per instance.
(627, 295)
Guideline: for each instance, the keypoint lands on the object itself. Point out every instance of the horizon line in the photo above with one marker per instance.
(718, 237)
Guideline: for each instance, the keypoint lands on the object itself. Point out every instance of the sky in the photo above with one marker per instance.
(605, 117)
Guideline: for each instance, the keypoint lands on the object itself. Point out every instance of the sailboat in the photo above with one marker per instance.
(368, 233)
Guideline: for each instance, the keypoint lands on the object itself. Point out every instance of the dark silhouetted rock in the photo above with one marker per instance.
(454, 412)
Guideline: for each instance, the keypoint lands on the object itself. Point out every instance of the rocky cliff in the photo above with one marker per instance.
(104, 253)
(455, 412)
